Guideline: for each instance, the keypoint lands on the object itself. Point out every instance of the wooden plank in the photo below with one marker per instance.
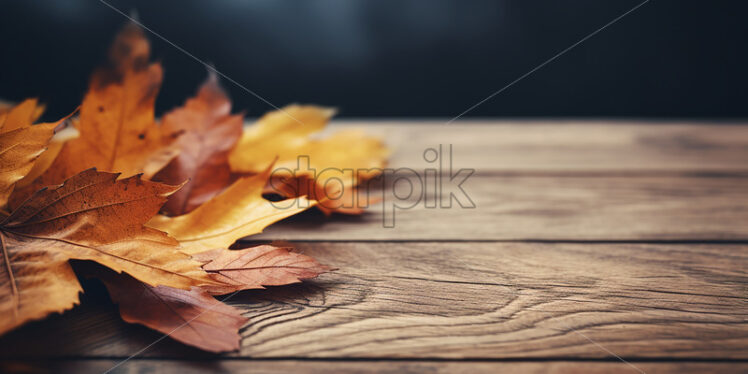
(294, 366)
(567, 146)
(463, 300)
(551, 208)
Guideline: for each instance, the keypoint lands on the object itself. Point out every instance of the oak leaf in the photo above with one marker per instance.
(257, 267)
(205, 132)
(92, 216)
(238, 211)
(191, 316)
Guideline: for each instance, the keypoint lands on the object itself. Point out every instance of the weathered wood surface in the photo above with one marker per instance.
(467, 300)
(553, 208)
(588, 243)
(365, 367)
(528, 147)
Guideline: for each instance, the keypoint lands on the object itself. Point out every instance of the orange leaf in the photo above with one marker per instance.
(117, 126)
(190, 316)
(36, 281)
(256, 267)
(20, 145)
(205, 131)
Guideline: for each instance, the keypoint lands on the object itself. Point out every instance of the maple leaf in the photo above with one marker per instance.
(336, 164)
(92, 216)
(206, 132)
(116, 123)
(191, 316)
(257, 267)
(238, 211)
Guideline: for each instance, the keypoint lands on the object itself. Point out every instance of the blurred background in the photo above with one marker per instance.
(403, 58)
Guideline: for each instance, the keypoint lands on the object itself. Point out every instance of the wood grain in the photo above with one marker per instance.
(464, 300)
(552, 208)
(568, 146)
(364, 367)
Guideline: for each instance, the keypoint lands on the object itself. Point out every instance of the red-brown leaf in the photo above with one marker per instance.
(192, 316)
(206, 132)
(256, 267)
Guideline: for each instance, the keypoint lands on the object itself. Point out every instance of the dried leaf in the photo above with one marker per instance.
(190, 316)
(336, 164)
(117, 126)
(46, 159)
(237, 212)
(331, 195)
(20, 145)
(90, 217)
(21, 115)
(256, 267)
(205, 131)
(93, 216)
(35, 282)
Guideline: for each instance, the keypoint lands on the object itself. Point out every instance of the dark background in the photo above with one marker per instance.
(401, 58)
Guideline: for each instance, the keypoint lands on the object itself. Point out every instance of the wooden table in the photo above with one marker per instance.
(593, 246)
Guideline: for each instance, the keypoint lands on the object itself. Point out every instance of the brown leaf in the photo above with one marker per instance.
(117, 126)
(336, 164)
(92, 216)
(256, 267)
(190, 316)
(205, 131)
(237, 212)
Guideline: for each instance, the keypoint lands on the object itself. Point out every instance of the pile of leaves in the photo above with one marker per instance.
(158, 205)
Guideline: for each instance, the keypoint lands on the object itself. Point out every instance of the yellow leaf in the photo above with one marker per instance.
(238, 211)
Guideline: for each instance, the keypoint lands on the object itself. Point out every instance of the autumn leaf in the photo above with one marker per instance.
(45, 160)
(92, 216)
(238, 211)
(34, 274)
(116, 124)
(190, 316)
(21, 115)
(331, 195)
(285, 134)
(336, 164)
(35, 282)
(206, 132)
(257, 267)
(20, 145)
